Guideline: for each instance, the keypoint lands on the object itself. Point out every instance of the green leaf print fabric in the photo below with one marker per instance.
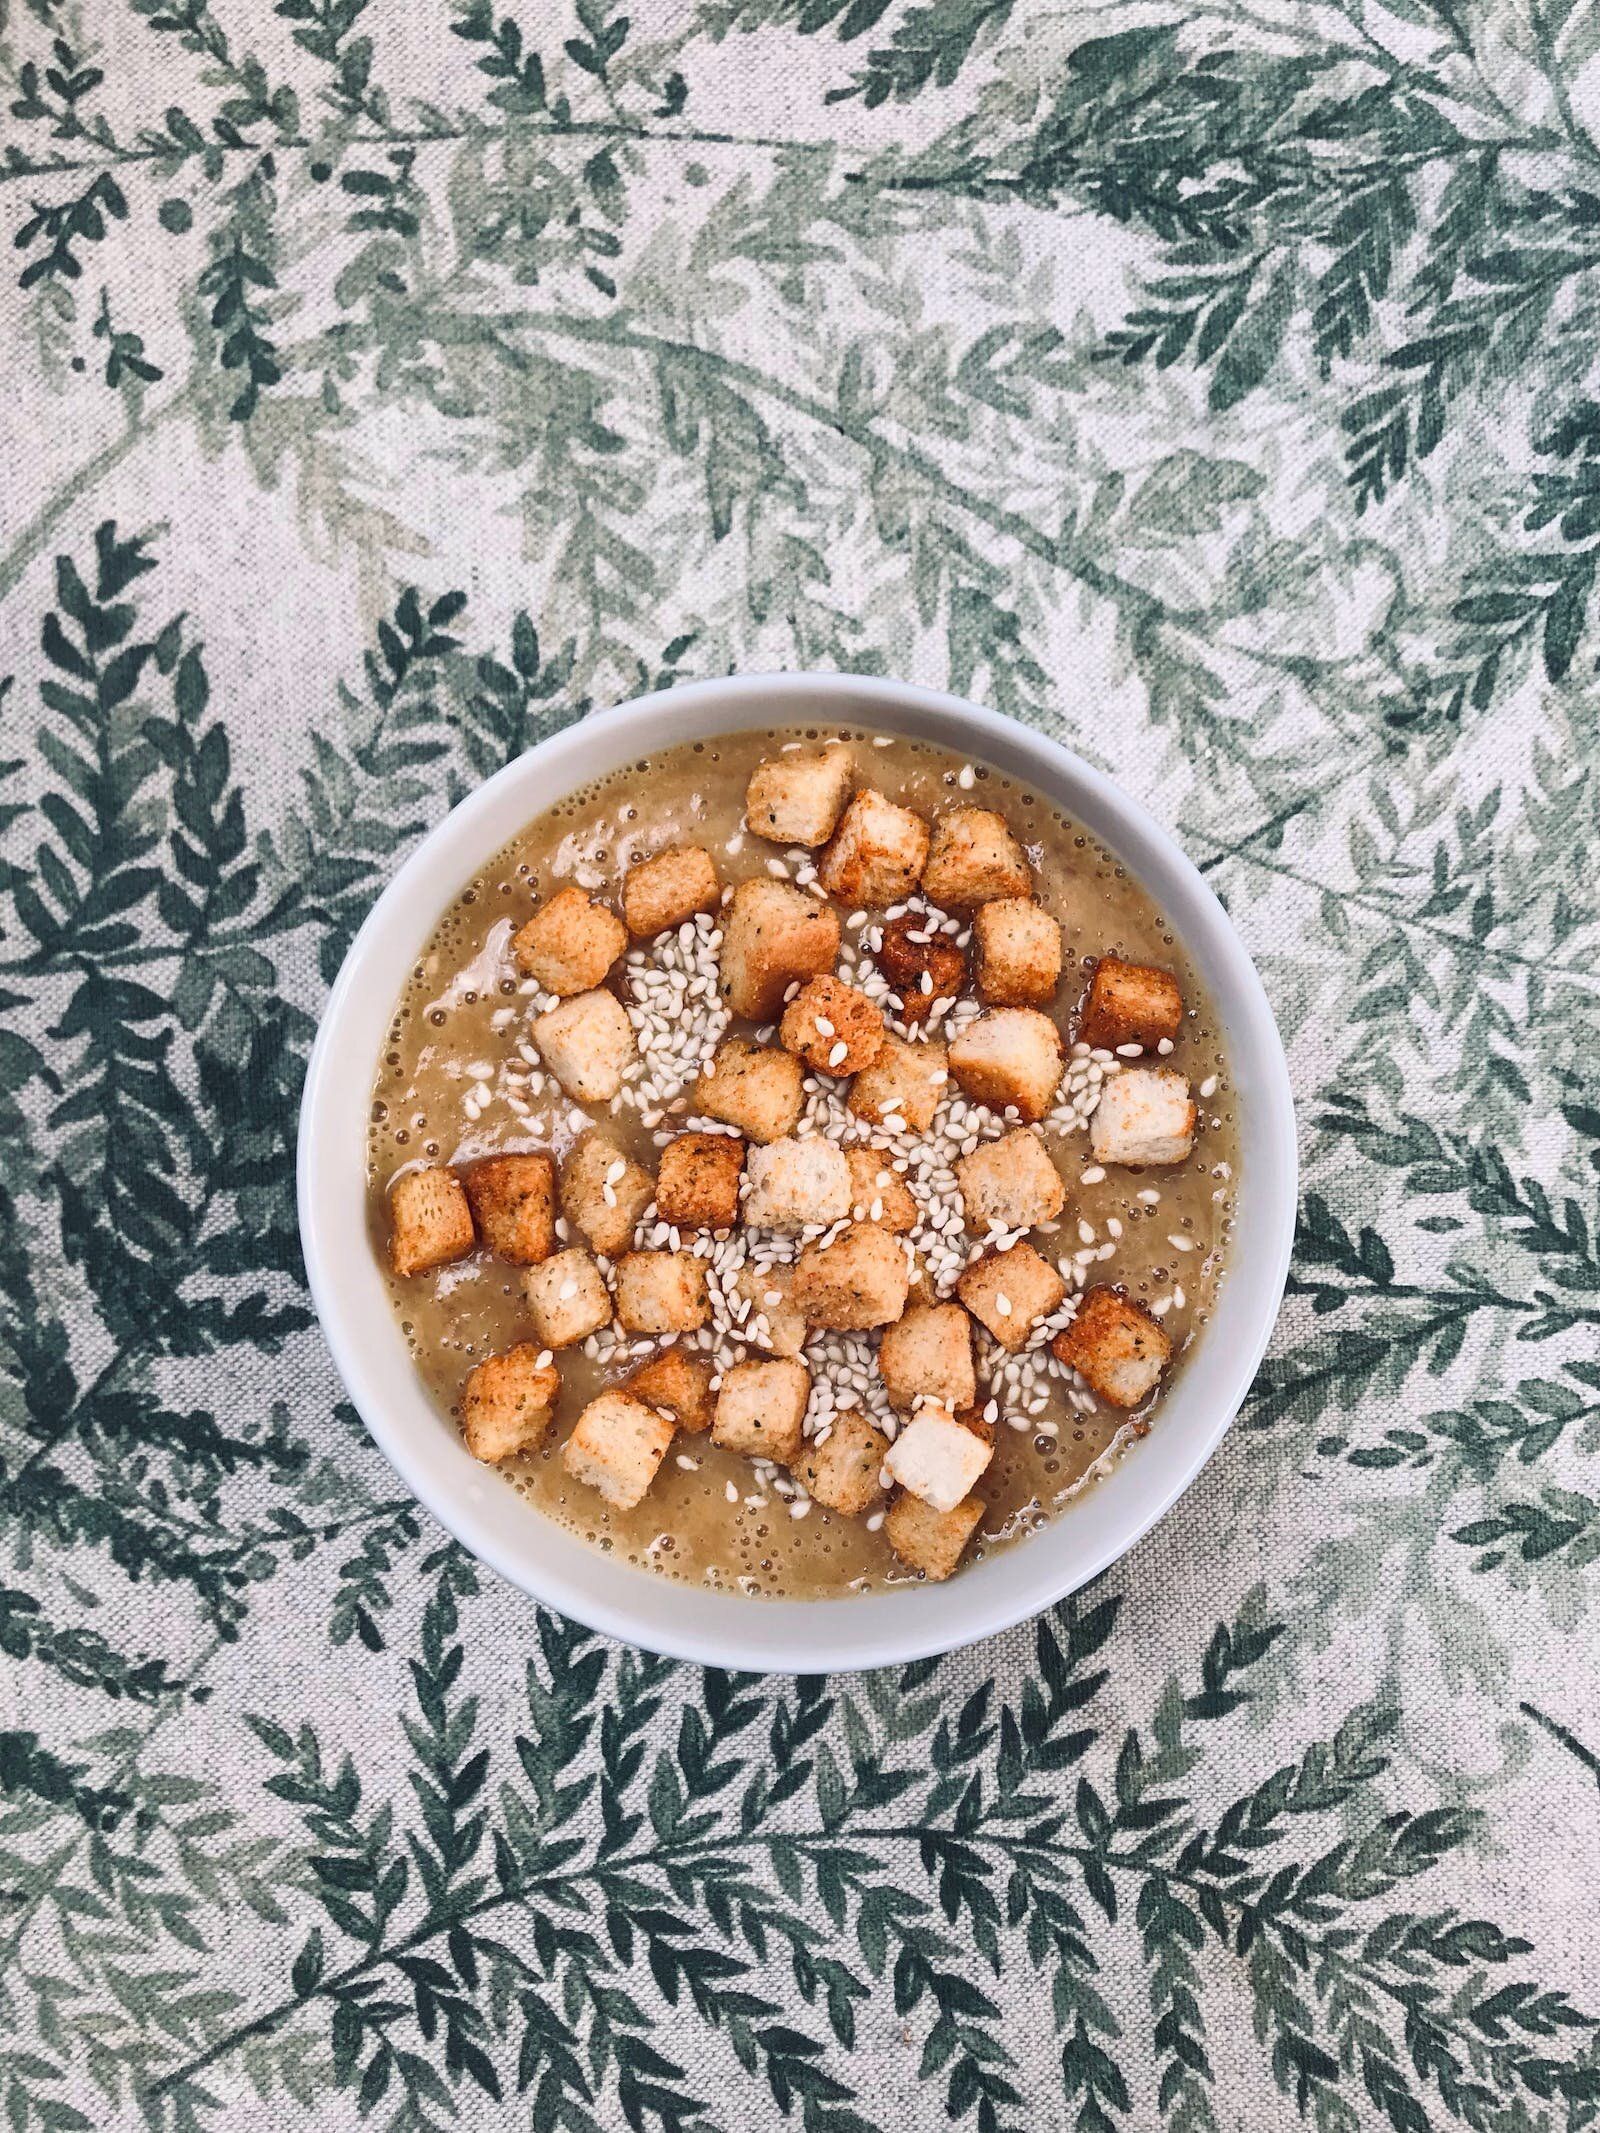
(1210, 383)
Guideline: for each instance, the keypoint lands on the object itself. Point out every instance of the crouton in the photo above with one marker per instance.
(514, 1205)
(876, 855)
(1145, 1115)
(680, 1383)
(768, 1320)
(1019, 953)
(798, 798)
(794, 1183)
(1115, 1346)
(431, 1221)
(697, 1185)
(936, 1459)
(568, 1299)
(604, 1193)
(569, 943)
(587, 1043)
(661, 1292)
(773, 936)
(858, 1281)
(928, 1540)
(845, 1472)
(903, 1088)
(973, 859)
(1010, 1058)
(1130, 1003)
(833, 1027)
(923, 967)
(761, 1409)
(1009, 1292)
(617, 1447)
(879, 1194)
(1010, 1183)
(507, 1403)
(927, 1354)
(973, 1418)
(753, 1087)
(666, 889)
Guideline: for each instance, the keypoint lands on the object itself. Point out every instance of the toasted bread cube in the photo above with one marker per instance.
(569, 943)
(568, 1298)
(794, 1183)
(697, 1185)
(1130, 1003)
(617, 1447)
(833, 1027)
(661, 1292)
(514, 1205)
(432, 1221)
(1145, 1115)
(1009, 1292)
(858, 1281)
(761, 1409)
(936, 1459)
(972, 1418)
(845, 1473)
(923, 966)
(1115, 1346)
(604, 1193)
(772, 1322)
(1009, 1058)
(678, 1382)
(507, 1402)
(876, 855)
(927, 1355)
(753, 1087)
(879, 1194)
(1019, 953)
(798, 798)
(928, 1540)
(973, 859)
(667, 888)
(903, 1088)
(773, 936)
(587, 1043)
(1010, 1183)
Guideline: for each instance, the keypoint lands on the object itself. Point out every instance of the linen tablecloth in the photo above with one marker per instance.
(389, 382)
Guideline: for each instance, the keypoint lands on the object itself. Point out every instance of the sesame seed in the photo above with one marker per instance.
(1181, 1244)
(1093, 1175)
(1209, 1086)
(731, 1491)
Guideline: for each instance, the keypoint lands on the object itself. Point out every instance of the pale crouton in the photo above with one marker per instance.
(1010, 1058)
(1115, 1346)
(587, 1043)
(773, 936)
(928, 1540)
(771, 1320)
(569, 943)
(845, 1473)
(833, 1027)
(973, 859)
(876, 855)
(753, 1087)
(680, 1383)
(879, 1194)
(514, 1205)
(1145, 1115)
(858, 1281)
(1019, 953)
(1009, 1292)
(936, 1459)
(668, 888)
(617, 1447)
(604, 1193)
(1130, 1003)
(697, 1185)
(432, 1221)
(661, 1292)
(793, 1183)
(927, 1354)
(903, 1088)
(798, 798)
(761, 1409)
(924, 967)
(1010, 1184)
(507, 1402)
(568, 1298)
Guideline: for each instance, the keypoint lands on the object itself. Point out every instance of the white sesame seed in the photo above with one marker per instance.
(1181, 1244)
(1209, 1086)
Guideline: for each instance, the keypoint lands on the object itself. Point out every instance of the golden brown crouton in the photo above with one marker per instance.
(1130, 1003)
(1145, 1115)
(1019, 953)
(568, 1299)
(922, 965)
(617, 1447)
(604, 1192)
(1010, 1184)
(974, 857)
(432, 1221)
(507, 1402)
(697, 1186)
(679, 1382)
(927, 1354)
(858, 1281)
(1009, 1292)
(875, 856)
(832, 1026)
(587, 1043)
(773, 936)
(844, 1473)
(771, 1322)
(761, 1409)
(661, 1292)
(514, 1205)
(569, 943)
(935, 1458)
(903, 1088)
(667, 888)
(754, 1087)
(1115, 1346)
(796, 1183)
(1009, 1059)
(878, 1193)
(797, 798)
(928, 1540)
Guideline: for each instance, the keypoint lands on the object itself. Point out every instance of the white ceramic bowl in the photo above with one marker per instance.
(721, 1628)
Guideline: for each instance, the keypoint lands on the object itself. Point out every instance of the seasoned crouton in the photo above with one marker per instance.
(754, 1087)
(661, 1292)
(903, 1088)
(794, 1183)
(858, 1281)
(568, 1299)
(1009, 1058)
(771, 1322)
(761, 1409)
(604, 1193)
(935, 1458)
(845, 1473)
(876, 855)
(879, 1194)
(928, 1540)
(1019, 953)
(1145, 1115)
(569, 943)
(432, 1221)
(1130, 1003)
(833, 1027)
(1010, 1183)
(587, 1043)
(927, 1354)
(1115, 1346)
(974, 858)
(680, 1383)
(1009, 1292)
(923, 966)
(697, 1185)
(798, 798)
(666, 889)
(973, 1418)
(773, 936)
(507, 1402)
(617, 1447)
(514, 1205)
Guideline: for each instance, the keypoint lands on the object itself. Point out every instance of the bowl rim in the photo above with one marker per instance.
(723, 1627)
